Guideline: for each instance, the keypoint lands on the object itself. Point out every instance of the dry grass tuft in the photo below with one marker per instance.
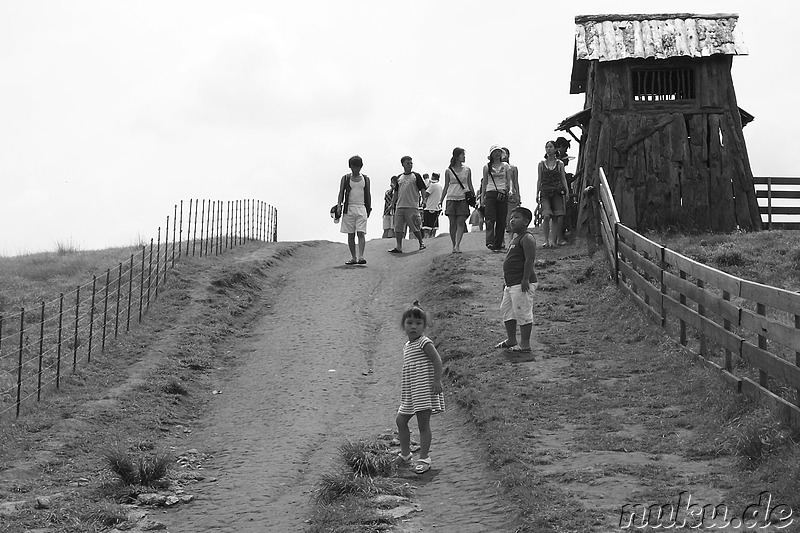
(148, 471)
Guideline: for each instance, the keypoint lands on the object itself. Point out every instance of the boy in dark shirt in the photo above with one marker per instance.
(520, 283)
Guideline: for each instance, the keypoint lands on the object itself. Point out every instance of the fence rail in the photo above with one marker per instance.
(748, 331)
(779, 201)
(38, 345)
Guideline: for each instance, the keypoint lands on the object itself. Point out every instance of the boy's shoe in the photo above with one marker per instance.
(362, 261)
(395, 251)
(422, 246)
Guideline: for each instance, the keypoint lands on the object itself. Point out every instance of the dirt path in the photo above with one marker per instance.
(320, 367)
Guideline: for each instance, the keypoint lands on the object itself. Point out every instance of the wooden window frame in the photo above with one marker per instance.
(672, 84)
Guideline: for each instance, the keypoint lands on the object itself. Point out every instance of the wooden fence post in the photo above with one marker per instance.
(763, 378)
(682, 300)
(728, 364)
(769, 202)
(701, 310)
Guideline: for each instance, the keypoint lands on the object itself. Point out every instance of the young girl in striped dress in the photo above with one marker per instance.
(421, 391)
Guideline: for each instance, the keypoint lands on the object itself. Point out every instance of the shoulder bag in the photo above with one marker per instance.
(469, 195)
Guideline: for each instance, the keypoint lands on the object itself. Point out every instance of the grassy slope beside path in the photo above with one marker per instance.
(610, 413)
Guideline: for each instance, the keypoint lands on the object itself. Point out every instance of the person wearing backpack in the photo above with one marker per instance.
(406, 200)
(356, 202)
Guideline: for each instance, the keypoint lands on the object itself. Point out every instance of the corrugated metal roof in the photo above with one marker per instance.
(615, 37)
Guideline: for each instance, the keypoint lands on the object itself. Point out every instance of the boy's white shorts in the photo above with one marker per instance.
(355, 220)
(518, 305)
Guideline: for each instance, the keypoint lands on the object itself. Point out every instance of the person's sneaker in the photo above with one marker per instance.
(395, 251)
(422, 246)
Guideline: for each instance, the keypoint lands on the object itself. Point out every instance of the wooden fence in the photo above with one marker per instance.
(748, 331)
(779, 201)
(37, 346)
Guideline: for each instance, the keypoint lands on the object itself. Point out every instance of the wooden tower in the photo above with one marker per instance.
(661, 119)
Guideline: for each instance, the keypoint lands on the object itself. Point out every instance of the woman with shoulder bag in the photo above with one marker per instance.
(459, 194)
(551, 190)
(495, 186)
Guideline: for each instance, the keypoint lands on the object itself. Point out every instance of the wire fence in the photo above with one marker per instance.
(39, 346)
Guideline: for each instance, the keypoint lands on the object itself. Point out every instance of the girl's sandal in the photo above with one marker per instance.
(422, 466)
(404, 458)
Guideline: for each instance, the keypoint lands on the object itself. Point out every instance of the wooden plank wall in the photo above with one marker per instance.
(748, 331)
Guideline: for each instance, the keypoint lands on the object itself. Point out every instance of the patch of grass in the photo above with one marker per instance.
(343, 503)
(368, 458)
(67, 247)
(148, 471)
(175, 386)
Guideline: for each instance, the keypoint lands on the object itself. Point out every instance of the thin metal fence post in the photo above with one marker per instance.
(180, 234)
(19, 361)
(91, 320)
(141, 284)
(105, 311)
(158, 260)
(130, 296)
(1, 334)
(202, 226)
(219, 227)
(119, 294)
(188, 227)
(60, 329)
(194, 236)
(166, 250)
(149, 272)
(41, 356)
(174, 232)
(227, 224)
(75, 337)
(209, 225)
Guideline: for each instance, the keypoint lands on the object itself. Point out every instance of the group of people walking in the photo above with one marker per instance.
(412, 204)
(498, 195)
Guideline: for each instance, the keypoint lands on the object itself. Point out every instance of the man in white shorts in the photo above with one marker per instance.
(354, 195)
(520, 284)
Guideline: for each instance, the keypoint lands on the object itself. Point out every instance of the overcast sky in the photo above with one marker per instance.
(111, 112)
